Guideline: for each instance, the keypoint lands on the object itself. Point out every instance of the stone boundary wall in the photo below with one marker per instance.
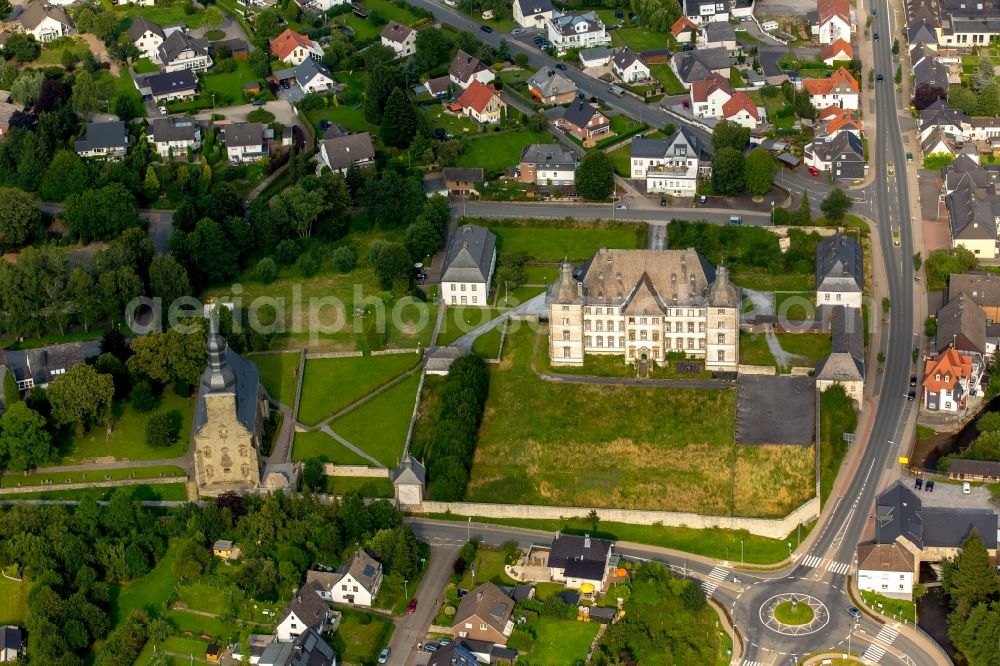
(756, 370)
(155, 481)
(822, 231)
(774, 528)
(802, 371)
(329, 469)
(310, 356)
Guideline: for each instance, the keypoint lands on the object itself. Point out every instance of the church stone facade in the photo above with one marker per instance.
(644, 305)
(229, 422)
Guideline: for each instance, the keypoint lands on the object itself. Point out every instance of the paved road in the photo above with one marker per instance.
(582, 211)
(411, 629)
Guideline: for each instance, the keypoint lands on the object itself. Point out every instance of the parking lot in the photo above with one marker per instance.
(950, 495)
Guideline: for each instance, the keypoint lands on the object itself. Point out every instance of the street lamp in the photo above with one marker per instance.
(469, 529)
(406, 591)
(741, 552)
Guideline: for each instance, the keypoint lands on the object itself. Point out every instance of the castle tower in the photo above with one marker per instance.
(565, 300)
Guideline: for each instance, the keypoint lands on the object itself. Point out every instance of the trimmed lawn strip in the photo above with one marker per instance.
(802, 614)
(228, 87)
(364, 485)
(559, 642)
(761, 281)
(836, 416)
(379, 426)
(621, 158)
(494, 152)
(814, 346)
(487, 345)
(200, 624)
(754, 350)
(317, 444)
(277, 373)
(202, 596)
(158, 492)
(32, 480)
(360, 636)
(331, 384)
(459, 320)
(906, 609)
(577, 242)
(13, 601)
(666, 76)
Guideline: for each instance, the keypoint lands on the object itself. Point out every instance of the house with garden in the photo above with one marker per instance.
(548, 86)
(718, 34)
(147, 37)
(576, 30)
(356, 583)
(169, 86)
(39, 367)
(174, 135)
(949, 380)
(181, 51)
(708, 96)
(840, 276)
(741, 110)
(840, 50)
(292, 48)
(845, 365)
(584, 122)
(11, 643)
(465, 69)
(310, 75)
(887, 569)
(402, 39)
(549, 164)
(469, 266)
(843, 156)
(627, 66)
(834, 21)
(672, 165)
(533, 13)
(581, 562)
(103, 140)
(245, 142)
(305, 612)
(840, 89)
(482, 103)
(484, 614)
(691, 66)
(42, 21)
(343, 152)
(684, 30)
(706, 11)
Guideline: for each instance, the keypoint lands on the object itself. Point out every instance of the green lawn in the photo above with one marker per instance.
(801, 614)
(906, 609)
(330, 384)
(52, 53)
(487, 345)
(796, 307)
(351, 118)
(621, 158)
(163, 13)
(764, 281)
(366, 486)
(459, 320)
(145, 66)
(56, 478)
(200, 625)
(837, 416)
(203, 596)
(366, 29)
(514, 75)
(494, 152)
(164, 492)
(360, 636)
(228, 87)
(642, 39)
(577, 242)
(379, 426)
(317, 444)
(454, 125)
(812, 347)
(13, 601)
(109, 87)
(666, 76)
(559, 642)
(128, 439)
(278, 374)
(147, 593)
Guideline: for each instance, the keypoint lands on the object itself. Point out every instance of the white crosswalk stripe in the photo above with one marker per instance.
(838, 567)
(887, 635)
(873, 654)
(812, 561)
(716, 576)
(751, 663)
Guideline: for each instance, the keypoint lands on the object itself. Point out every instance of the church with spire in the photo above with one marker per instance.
(645, 305)
(228, 421)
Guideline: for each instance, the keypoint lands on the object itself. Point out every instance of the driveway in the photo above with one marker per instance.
(411, 629)
(230, 26)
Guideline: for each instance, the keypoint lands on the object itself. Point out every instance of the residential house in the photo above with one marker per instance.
(837, 120)
(708, 95)
(402, 39)
(484, 614)
(840, 89)
(319, 6)
(938, 142)
(627, 66)
(931, 75)
(718, 34)
(962, 325)
(599, 56)
(547, 164)
(669, 166)
(174, 136)
(453, 654)
(306, 649)
(181, 51)
(462, 182)
(952, 122)
(981, 287)
(840, 274)
(439, 87)
(845, 365)
(706, 11)
(225, 550)
(973, 206)
(482, 103)
(171, 86)
(465, 69)
(842, 155)
(533, 13)
(147, 37)
(106, 140)
(356, 583)
(965, 469)
(638, 304)
(922, 32)
(684, 30)
(691, 66)
(741, 110)
(7, 111)
(43, 21)
(948, 381)
(580, 561)
(11, 643)
(468, 267)
(310, 75)
(409, 477)
(292, 48)
(343, 152)
(584, 122)
(576, 31)
(307, 610)
(834, 20)
(840, 50)
(887, 569)
(38, 367)
(245, 142)
(548, 86)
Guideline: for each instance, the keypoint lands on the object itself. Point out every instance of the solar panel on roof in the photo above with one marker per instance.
(369, 570)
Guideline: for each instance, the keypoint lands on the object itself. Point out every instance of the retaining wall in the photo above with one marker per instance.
(329, 469)
(157, 480)
(347, 354)
(756, 370)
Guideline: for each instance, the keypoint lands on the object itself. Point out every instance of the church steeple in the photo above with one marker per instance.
(218, 376)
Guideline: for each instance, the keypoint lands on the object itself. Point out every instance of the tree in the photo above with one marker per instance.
(804, 214)
(213, 17)
(268, 24)
(126, 107)
(968, 578)
(982, 76)
(399, 120)
(102, 213)
(168, 280)
(729, 134)
(312, 473)
(381, 82)
(81, 397)
(211, 252)
(304, 207)
(432, 49)
(151, 184)
(728, 177)
(24, 441)
(22, 47)
(5, 8)
(394, 267)
(163, 429)
(379, 55)
(11, 393)
(66, 174)
(20, 217)
(266, 270)
(344, 259)
(595, 176)
(759, 172)
(170, 356)
(422, 239)
(83, 294)
(835, 205)
(85, 97)
(27, 86)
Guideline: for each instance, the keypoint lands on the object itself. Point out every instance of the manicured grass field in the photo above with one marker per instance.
(802, 614)
(13, 601)
(621, 158)
(163, 492)
(228, 87)
(379, 426)
(837, 416)
(459, 320)
(666, 76)
(317, 444)
(330, 384)
(811, 347)
(109, 87)
(576, 243)
(641, 39)
(277, 373)
(907, 609)
(128, 439)
(761, 281)
(351, 118)
(165, 13)
(494, 152)
(153, 472)
(487, 345)
(52, 53)
(360, 636)
(366, 486)
(199, 595)
(560, 642)
(200, 624)
(147, 593)
(365, 29)
(454, 125)
(145, 66)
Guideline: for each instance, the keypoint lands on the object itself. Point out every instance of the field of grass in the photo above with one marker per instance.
(163, 492)
(330, 384)
(641, 39)
(147, 593)
(576, 242)
(56, 478)
(621, 158)
(365, 29)
(13, 601)
(277, 373)
(494, 152)
(454, 125)
(836, 416)
(145, 66)
(163, 13)
(128, 438)
(811, 347)
(487, 345)
(228, 87)
(109, 87)
(666, 76)
(317, 444)
(351, 118)
(366, 486)
(773, 479)
(360, 636)
(558, 642)
(459, 320)
(762, 281)
(203, 596)
(52, 53)
(379, 426)
(907, 610)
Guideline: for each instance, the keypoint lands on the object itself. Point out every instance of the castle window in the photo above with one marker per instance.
(611, 325)
(690, 327)
(721, 357)
(598, 310)
(621, 341)
(565, 352)
(722, 311)
(631, 335)
(599, 326)
(586, 325)
(207, 452)
(587, 309)
(722, 338)
(642, 321)
(566, 336)
(600, 340)
(656, 320)
(565, 321)
(589, 341)
(656, 336)
(642, 335)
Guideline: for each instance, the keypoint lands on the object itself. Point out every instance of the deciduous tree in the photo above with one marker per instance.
(728, 173)
(20, 217)
(170, 356)
(759, 172)
(81, 397)
(24, 441)
(729, 134)
(835, 205)
(595, 176)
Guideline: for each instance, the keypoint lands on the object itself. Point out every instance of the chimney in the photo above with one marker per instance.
(479, 597)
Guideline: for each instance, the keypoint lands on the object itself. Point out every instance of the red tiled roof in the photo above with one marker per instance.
(738, 102)
(288, 41)
(826, 9)
(700, 90)
(682, 24)
(843, 118)
(826, 86)
(833, 50)
(476, 96)
(950, 366)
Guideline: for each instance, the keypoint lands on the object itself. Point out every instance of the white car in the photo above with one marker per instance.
(383, 656)
(621, 207)
(163, 110)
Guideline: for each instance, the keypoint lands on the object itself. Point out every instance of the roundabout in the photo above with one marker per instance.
(794, 614)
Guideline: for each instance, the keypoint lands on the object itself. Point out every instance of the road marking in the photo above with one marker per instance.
(838, 567)
(887, 635)
(751, 663)
(716, 576)
(812, 561)
(872, 654)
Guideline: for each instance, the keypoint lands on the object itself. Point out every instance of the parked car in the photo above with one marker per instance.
(461, 592)
(445, 641)
(918, 484)
(879, 79)
(621, 207)
(411, 607)
(966, 488)
(486, 28)
(854, 612)
(814, 171)
(686, 104)
(912, 395)
(561, 65)
(431, 646)
(929, 487)
(383, 656)
(663, 201)
(286, 85)
(163, 110)
(517, 32)
(913, 381)
(702, 199)
(876, 36)
(258, 102)
(874, 13)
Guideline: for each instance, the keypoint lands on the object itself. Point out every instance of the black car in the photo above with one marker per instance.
(918, 484)
(911, 395)
(663, 201)
(913, 381)
(879, 78)
(486, 28)
(876, 36)
(561, 65)
(929, 487)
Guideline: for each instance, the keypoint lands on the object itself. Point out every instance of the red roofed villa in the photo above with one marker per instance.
(741, 109)
(948, 381)
(293, 48)
(839, 50)
(684, 29)
(482, 103)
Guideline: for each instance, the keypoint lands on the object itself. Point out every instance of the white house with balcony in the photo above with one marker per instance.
(577, 31)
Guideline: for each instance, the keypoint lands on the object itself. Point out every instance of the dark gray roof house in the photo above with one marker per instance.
(697, 65)
(38, 367)
(179, 83)
(550, 83)
(930, 72)
(409, 471)
(941, 115)
(845, 154)
(343, 152)
(719, 31)
(579, 114)
(308, 649)
(972, 212)
(839, 264)
(961, 324)
(11, 643)
(464, 66)
(964, 468)
(983, 288)
(177, 42)
(453, 654)
(174, 128)
(308, 606)
(140, 26)
(532, 7)
(103, 138)
(846, 360)
(471, 255)
(899, 513)
(244, 134)
(682, 139)
(580, 557)
(549, 155)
